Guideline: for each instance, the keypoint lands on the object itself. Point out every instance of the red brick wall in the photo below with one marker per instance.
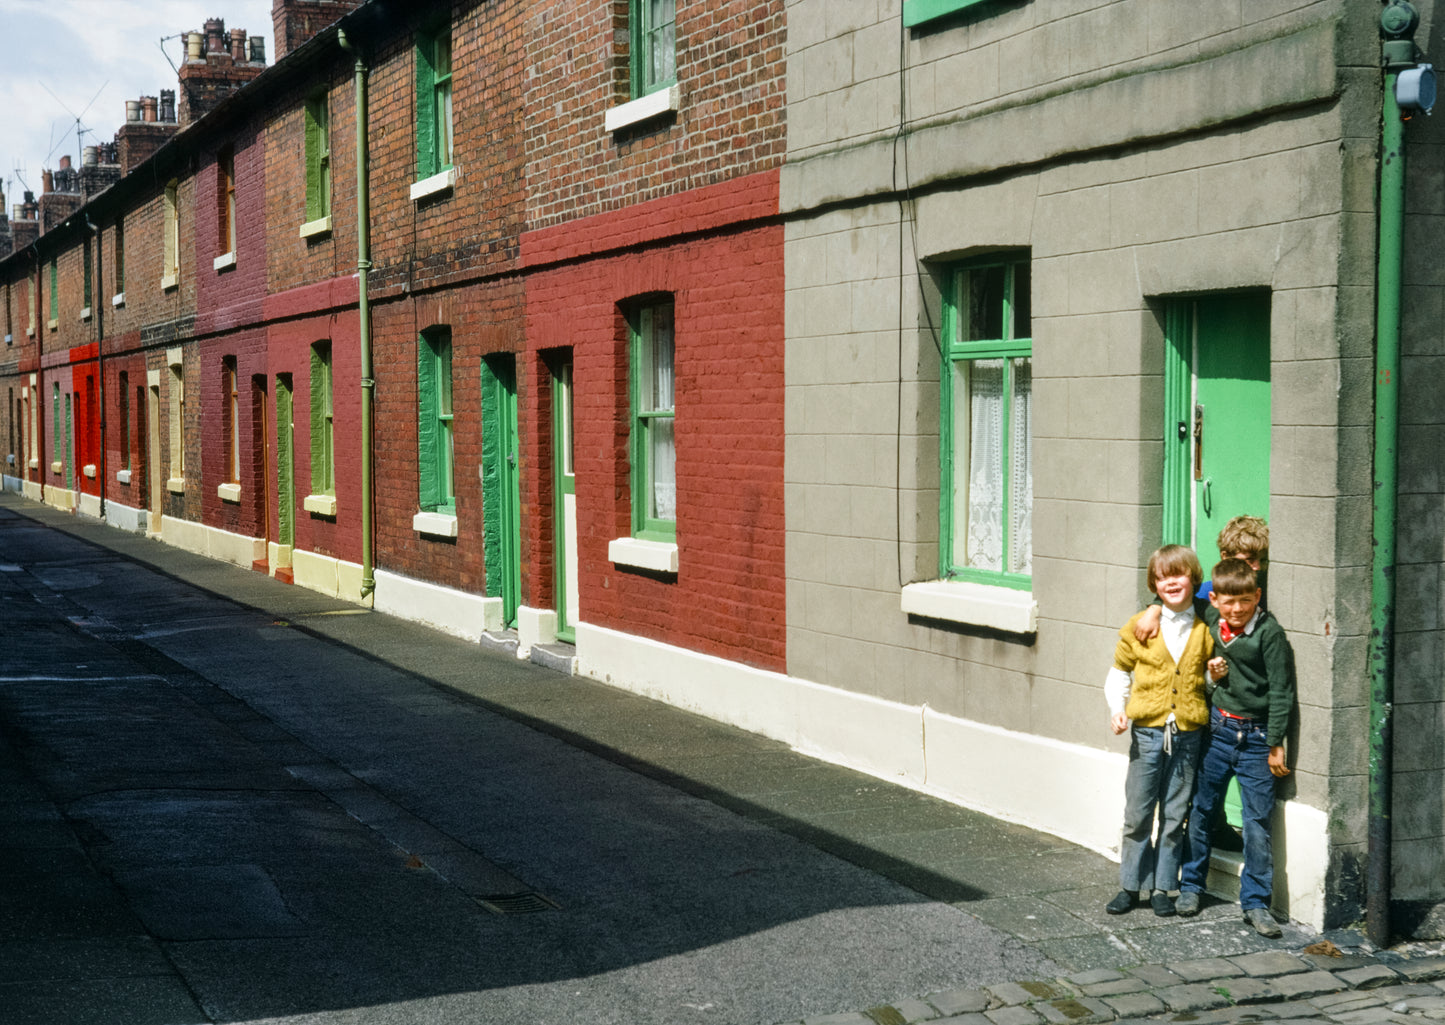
(134, 494)
(730, 65)
(232, 296)
(248, 349)
(728, 596)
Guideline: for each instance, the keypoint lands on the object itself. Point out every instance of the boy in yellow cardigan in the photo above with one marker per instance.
(1158, 686)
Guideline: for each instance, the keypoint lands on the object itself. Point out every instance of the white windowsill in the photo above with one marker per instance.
(434, 524)
(9, 339)
(122, 476)
(56, 467)
(35, 464)
(229, 492)
(118, 300)
(89, 470)
(998, 608)
(654, 104)
(52, 324)
(85, 314)
(176, 485)
(29, 332)
(224, 261)
(320, 226)
(168, 281)
(658, 556)
(439, 182)
(321, 505)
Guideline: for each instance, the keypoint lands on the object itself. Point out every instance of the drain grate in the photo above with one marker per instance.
(518, 903)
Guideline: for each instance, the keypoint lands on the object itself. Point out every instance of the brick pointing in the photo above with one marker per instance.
(728, 596)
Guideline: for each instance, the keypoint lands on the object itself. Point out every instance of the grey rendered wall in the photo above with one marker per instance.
(1139, 151)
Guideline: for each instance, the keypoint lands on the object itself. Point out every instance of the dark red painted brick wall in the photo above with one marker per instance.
(728, 596)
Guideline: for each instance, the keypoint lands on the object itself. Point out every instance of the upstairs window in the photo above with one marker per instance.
(318, 157)
(433, 102)
(654, 45)
(171, 237)
(54, 293)
(86, 281)
(986, 502)
(233, 421)
(225, 208)
(654, 455)
(119, 257)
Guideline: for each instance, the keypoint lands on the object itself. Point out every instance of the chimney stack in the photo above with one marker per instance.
(293, 22)
(208, 80)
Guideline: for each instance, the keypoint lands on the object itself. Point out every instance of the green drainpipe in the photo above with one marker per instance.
(1397, 26)
(363, 265)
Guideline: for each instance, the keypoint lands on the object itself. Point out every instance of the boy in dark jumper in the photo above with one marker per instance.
(1248, 718)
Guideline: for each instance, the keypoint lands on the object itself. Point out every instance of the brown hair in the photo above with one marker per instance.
(1173, 561)
(1247, 536)
(1235, 577)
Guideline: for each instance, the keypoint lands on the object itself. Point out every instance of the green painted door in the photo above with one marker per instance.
(564, 485)
(501, 483)
(285, 463)
(1217, 426)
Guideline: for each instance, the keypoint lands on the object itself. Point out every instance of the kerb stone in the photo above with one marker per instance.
(1269, 962)
(1015, 1014)
(1191, 996)
(1114, 987)
(1423, 969)
(1368, 977)
(1247, 990)
(1135, 1005)
(1205, 968)
(1309, 984)
(1155, 975)
(1076, 1011)
(960, 1001)
(1025, 992)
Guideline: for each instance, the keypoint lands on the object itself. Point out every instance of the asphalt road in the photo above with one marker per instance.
(224, 799)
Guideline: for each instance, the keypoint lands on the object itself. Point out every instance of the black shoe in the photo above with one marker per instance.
(1263, 922)
(1162, 904)
(1122, 902)
(1187, 904)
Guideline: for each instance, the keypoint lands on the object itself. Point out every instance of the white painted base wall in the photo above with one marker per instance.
(1068, 790)
(31, 490)
(213, 542)
(60, 498)
(126, 518)
(329, 576)
(88, 505)
(446, 609)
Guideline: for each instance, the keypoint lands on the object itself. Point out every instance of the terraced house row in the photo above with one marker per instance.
(829, 368)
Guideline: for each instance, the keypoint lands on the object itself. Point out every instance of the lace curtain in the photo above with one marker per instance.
(978, 466)
(660, 429)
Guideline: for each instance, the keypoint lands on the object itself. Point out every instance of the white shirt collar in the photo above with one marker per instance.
(1183, 615)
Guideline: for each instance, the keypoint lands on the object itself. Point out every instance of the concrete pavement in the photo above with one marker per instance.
(226, 799)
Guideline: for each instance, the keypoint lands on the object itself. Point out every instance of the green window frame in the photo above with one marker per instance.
(433, 101)
(654, 45)
(986, 474)
(435, 447)
(919, 12)
(323, 428)
(318, 156)
(652, 359)
(54, 289)
(55, 422)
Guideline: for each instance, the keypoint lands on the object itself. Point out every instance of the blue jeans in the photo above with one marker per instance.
(1163, 781)
(1235, 748)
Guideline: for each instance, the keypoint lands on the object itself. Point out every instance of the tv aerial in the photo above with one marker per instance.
(80, 130)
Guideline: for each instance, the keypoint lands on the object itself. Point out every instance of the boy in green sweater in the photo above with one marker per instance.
(1248, 718)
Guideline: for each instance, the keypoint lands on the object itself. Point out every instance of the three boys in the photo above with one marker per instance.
(1248, 718)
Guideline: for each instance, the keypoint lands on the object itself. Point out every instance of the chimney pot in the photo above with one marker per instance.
(65, 162)
(132, 110)
(215, 30)
(148, 108)
(168, 106)
(258, 49)
(238, 45)
(193, 46)
(47, 182)
(89, 156)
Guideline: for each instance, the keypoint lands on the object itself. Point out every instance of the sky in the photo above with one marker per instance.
(84, 58)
